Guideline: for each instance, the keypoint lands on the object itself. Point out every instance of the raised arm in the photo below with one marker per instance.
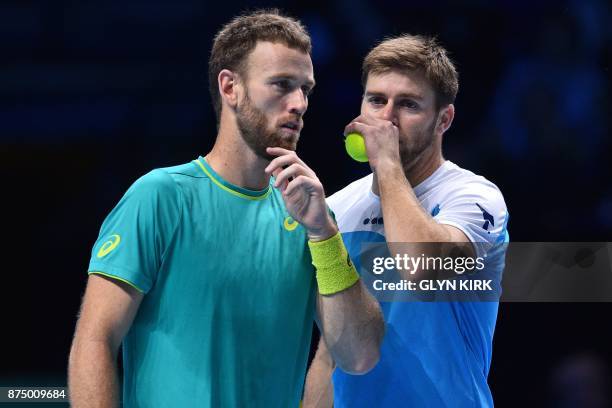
(107, 312)
(348, 316)
(405, 219)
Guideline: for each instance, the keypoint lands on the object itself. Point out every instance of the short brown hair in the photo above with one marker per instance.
(415, 53)
(238, 38)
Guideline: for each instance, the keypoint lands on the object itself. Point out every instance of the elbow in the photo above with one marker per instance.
(367, 363)
(363, 363)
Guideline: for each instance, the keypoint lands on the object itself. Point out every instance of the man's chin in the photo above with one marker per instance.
(289, 144)
(283, 143)
(265, 155)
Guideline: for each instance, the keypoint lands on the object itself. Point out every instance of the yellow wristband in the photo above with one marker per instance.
(335, 271)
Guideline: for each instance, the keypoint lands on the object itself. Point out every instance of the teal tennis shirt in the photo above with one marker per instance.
(229, 287)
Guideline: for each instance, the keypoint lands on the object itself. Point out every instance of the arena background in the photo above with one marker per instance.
(93, 94)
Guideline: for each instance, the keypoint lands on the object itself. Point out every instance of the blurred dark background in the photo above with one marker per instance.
(94, 94)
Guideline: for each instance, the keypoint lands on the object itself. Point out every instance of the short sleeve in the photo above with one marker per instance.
(479, 211)
(133, 238)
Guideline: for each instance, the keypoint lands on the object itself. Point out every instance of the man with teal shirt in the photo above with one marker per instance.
(205, 270)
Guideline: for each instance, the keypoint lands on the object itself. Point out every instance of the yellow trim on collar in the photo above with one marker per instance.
(229, 190)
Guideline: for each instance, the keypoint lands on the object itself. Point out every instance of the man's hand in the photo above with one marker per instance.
(381, 139)
(302, 192)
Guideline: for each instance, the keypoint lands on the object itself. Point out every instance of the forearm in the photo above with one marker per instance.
(410, 230)
(405, 218)
(92, 375)
(352, 325)
(349, 317)
(318, 390)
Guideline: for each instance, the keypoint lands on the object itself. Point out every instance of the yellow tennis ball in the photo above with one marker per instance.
(355, 147)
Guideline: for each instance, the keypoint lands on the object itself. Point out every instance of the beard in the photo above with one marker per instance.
(411, 152)
(256, 133)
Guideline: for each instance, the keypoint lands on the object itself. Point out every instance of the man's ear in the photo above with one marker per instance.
(445, 118)
(229, 87)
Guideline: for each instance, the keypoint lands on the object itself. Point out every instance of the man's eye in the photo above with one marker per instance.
(284, 85)
(409, 104)
(376, 100)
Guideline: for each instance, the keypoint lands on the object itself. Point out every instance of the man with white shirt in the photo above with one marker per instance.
(434, 354)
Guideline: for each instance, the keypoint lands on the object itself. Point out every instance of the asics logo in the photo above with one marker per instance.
(109, 245)
(290, 224)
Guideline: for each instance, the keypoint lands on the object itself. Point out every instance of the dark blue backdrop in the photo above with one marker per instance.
(94, 94)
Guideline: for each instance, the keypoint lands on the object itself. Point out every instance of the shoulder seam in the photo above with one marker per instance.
(179, 191)
(186, 175)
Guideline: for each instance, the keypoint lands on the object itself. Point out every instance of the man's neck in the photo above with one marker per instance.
(235, 162)
(423, 167)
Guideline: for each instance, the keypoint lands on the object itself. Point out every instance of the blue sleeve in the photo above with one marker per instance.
(133, 238)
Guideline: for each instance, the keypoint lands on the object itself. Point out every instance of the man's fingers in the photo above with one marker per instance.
(276, 171)
(278, 151)
(358, 127)
(369, 120)
(275, 174)
(280, 163)
(287, 158)
(297, 183)
(286, 174)
(366, 121)
(284, 154)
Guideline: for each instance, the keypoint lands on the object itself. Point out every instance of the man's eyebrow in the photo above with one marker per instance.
(398, 96)
(411, 95)
(308, 82)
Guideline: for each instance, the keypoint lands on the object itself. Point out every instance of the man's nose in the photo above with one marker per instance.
(388, 113)
(298, 102)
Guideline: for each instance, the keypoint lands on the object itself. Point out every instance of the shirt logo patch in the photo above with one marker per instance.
(488, 219)
(290, 224)
(109, 245)
(373, 221)
(436, 210)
